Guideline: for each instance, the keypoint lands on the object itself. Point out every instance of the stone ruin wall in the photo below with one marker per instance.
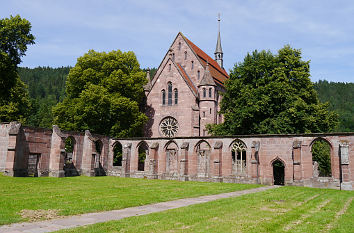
(41, 152)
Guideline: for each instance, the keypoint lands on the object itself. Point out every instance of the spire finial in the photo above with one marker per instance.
(218, 51)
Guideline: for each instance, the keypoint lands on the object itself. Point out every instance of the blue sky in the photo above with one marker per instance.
(66, 29)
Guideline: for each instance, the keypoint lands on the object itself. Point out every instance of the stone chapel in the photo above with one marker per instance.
(184, 94)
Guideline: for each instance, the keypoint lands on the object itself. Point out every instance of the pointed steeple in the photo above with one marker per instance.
(207, 79)
(218, 51)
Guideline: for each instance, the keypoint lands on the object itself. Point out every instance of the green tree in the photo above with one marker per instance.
(269, 93)
(14, 37)
(103, 94)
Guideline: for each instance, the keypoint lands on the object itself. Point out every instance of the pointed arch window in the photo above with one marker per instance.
(163, 97)
(179, 45)
(204, 92)
(173, 56)
(176, 96)
(210, 92)
(198, 74)
(192, 65)
(169, 67)
(185, 55)
(169, 86)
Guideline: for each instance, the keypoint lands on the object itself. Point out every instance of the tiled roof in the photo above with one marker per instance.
(186, 77)
(216, 71)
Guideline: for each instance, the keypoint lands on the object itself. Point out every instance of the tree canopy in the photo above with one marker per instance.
(14, 37)
(104, 93)
(269, 93)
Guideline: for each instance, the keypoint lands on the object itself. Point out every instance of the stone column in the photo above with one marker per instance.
(126, 160)
(217, 162)
(297, 161)
(13, 164)
(183, 173)
(254, 160)
(152, 174)
(88, 155)
(57, 153)
(346, 183)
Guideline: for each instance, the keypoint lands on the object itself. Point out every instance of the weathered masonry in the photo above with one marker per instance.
(265, 159)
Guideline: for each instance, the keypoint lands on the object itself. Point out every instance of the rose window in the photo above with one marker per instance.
(169, 127)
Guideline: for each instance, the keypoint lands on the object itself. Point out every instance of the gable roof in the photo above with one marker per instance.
(219, 74)
(188, 80)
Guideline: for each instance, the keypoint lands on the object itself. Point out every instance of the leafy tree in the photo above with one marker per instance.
(269, 93)
(14, 37)
(103, 94)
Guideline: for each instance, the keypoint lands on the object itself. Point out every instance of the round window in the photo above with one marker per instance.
(169, 127)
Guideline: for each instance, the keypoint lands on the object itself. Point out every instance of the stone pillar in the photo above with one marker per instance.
(217, 162)
(346, 183)
(15, 160)
(57, 153)
(126, 160)
(254, 160)
(152, 174)
(88, 155)
(183, 172)
(297, 176)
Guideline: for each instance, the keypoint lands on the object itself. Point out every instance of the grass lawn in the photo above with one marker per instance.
(45, 197)
(286, 209)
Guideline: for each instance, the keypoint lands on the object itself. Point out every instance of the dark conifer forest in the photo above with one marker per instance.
(46, 88)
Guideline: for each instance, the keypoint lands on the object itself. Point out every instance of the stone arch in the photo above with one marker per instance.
(322, 153)
(239, 157)
(143, 153)
(278, 166)
(117, 154)
(203, 150)
(171, 150)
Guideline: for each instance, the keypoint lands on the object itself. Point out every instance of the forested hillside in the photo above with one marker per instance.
(341, 99)
(47, 87)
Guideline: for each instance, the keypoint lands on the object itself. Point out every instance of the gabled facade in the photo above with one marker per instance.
(184, 94)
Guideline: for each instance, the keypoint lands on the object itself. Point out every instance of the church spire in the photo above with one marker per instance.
(218, 51)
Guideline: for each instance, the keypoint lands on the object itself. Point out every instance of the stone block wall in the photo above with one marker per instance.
(241, 159)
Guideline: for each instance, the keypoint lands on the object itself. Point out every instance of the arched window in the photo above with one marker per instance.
(198, 74)
(238, 154)
(173, 56)
(169, 67)
(163, 97)
(179, 46)
(204, 92)
(192, 65)
(169, 85)
(185, 55)
(117, 154)
(210, 92)
(176, 96)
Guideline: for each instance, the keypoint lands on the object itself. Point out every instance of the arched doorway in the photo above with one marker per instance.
(69, 167)
(98, 159)
(203, 151)
(321, 158)
(171, 159)
(117, 154)
(143, 152)
(278, 172)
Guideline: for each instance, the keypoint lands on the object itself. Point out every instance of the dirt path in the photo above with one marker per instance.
(92, 218)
